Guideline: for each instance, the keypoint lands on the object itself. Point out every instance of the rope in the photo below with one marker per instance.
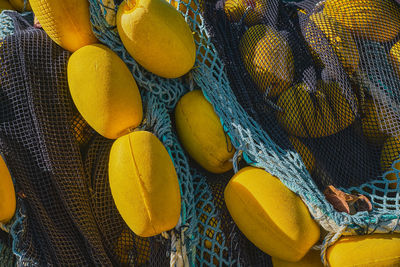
(179, 257)
(235, 160)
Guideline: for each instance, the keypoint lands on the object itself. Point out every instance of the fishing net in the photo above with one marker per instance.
(7, 258)
(306, 90)
(66, 215)
(210, 236)
(59, 165)
(309, 92)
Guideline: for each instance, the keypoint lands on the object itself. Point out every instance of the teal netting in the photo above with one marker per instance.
(206, 241)
(6, 25)
(165, 93)
(256, 146)
(261, 150)
(157, 120)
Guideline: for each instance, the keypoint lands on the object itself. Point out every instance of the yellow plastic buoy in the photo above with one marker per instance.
(104, 91)
(395, 57)
(5, 5)
(144, 184)
(67, 22)
(390, 152)
(309, 114)
(377, 250)
(20, 5)
(7, 194)
(201, 133)
(235, 10)
(270, 215)
(371, 123)
(157, 37)
(376, 20)
(268, 58)
(392, 175)
(311, 259)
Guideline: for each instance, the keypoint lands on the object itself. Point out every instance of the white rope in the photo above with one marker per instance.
(179, 256)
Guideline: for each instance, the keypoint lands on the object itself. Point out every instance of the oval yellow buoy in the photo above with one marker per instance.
(157, 36)
(201, 133)
(271, 216)
(144, 184)
(67, 22)
(104, 91)
(377, 250)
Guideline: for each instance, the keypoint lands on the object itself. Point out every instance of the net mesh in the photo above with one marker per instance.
(60, 165)
(308, 96)
(7, 257)
(66, 214)
(206, 241)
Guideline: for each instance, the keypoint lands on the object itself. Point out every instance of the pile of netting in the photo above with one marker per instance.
(66, 215)
(332, 95)
(323, 117)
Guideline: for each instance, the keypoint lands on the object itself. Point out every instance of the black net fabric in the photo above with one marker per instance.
(319, 77)
(60, 165)
(7, 258)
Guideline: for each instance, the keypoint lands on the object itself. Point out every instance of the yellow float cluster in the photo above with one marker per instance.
(142, 176)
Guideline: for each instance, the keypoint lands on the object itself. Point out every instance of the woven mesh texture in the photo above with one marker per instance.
(6, 25)
(311, 99)
(7, 258)
(208, 241)
(66, 215)
(307, 120)
(60, 165)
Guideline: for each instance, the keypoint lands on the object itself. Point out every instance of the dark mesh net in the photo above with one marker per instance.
(297, 73)
(7, 258)
(60, 164)
(320, 78)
